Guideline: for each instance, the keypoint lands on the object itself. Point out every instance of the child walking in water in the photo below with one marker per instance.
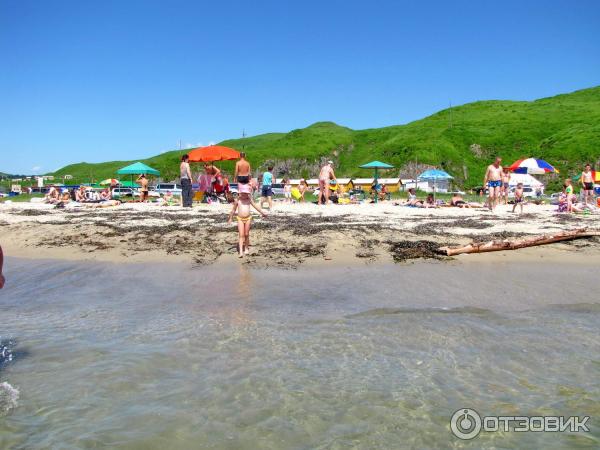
(242, 207)
(518, 197)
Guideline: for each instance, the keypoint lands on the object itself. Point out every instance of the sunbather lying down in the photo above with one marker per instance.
(458, 201)
(101, 204)
(414, 202)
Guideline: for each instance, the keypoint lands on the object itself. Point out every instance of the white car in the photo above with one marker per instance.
(123, 192)
(163, 188)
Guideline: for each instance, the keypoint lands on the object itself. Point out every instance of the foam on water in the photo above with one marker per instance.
(9, 397)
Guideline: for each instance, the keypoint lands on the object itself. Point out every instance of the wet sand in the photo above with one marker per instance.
(290, 236)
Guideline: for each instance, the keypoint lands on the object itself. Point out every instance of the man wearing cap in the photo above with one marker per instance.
(324, 177)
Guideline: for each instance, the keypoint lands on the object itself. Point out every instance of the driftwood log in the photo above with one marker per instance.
(495, 246)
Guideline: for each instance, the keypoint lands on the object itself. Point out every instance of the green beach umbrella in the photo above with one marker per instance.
(376, 165)
(138, 168)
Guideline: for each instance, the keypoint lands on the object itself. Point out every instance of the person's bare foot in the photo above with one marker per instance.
(247, 251)
(241, 255)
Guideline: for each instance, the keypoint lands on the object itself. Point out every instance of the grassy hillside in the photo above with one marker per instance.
(565, 130)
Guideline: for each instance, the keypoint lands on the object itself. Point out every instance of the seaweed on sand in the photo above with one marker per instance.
(406, 250)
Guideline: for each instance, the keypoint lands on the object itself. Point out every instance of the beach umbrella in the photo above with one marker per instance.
(376, 165)
(435, 175)
(110, 181)
(213, 153)
(532, 166)
(138, 168)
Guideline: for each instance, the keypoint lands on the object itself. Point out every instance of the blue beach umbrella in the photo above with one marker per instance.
(435, 175)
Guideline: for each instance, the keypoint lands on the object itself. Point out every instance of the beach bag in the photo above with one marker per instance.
(296, 193)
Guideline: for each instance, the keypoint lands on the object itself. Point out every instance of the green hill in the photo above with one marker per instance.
(564, 130)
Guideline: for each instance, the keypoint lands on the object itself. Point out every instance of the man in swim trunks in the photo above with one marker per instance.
(493, 181)
(242, 170)
(324, 177)
(587, 181)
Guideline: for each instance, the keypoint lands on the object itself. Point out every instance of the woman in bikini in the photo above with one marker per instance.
(505, 185)
(241, 206)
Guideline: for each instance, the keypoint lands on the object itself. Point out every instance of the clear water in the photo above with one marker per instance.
(163, 356)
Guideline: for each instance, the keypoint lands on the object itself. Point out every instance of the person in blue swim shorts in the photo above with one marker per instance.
(493, 181)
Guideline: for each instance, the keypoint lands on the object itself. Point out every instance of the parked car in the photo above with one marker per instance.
(124, 192)
(163, 188)
(233, 188)
(528, 191)
(277, 189)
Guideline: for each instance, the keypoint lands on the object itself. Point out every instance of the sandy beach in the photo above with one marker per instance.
(292, 234)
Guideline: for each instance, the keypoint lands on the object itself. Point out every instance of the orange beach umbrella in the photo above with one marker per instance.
(213, 153)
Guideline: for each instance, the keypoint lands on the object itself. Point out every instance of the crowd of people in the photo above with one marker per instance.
(215, 186)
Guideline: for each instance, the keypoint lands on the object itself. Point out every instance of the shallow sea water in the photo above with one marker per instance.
(167, 356)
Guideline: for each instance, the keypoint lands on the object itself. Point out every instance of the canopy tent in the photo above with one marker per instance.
(376, 165)
(138, 168)
(435, 175)
(526, 179)
(532, 166)
(213, 153)
(129, 184)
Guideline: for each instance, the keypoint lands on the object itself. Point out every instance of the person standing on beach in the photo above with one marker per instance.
(241, 206)
(587, 181)
(518, 197)
(242, 170)
(324, 177)
(186, 181)
(1, 265)
(493, 180)
(267, 188)
(505, 184)
(144, 189)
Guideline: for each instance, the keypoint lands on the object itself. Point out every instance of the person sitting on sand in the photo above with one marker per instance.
(430, 202)
(519, 197)
(302, 188)
(105, 195)
(168, 199)
(413, 200)
(53, 195)
(241, 206)
(80, 194)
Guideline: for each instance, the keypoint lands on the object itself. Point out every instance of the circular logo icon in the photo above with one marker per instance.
(465, 423)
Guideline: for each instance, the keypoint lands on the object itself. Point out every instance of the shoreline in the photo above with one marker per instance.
(292, 235)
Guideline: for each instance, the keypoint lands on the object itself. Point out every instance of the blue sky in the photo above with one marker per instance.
(104, 80)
